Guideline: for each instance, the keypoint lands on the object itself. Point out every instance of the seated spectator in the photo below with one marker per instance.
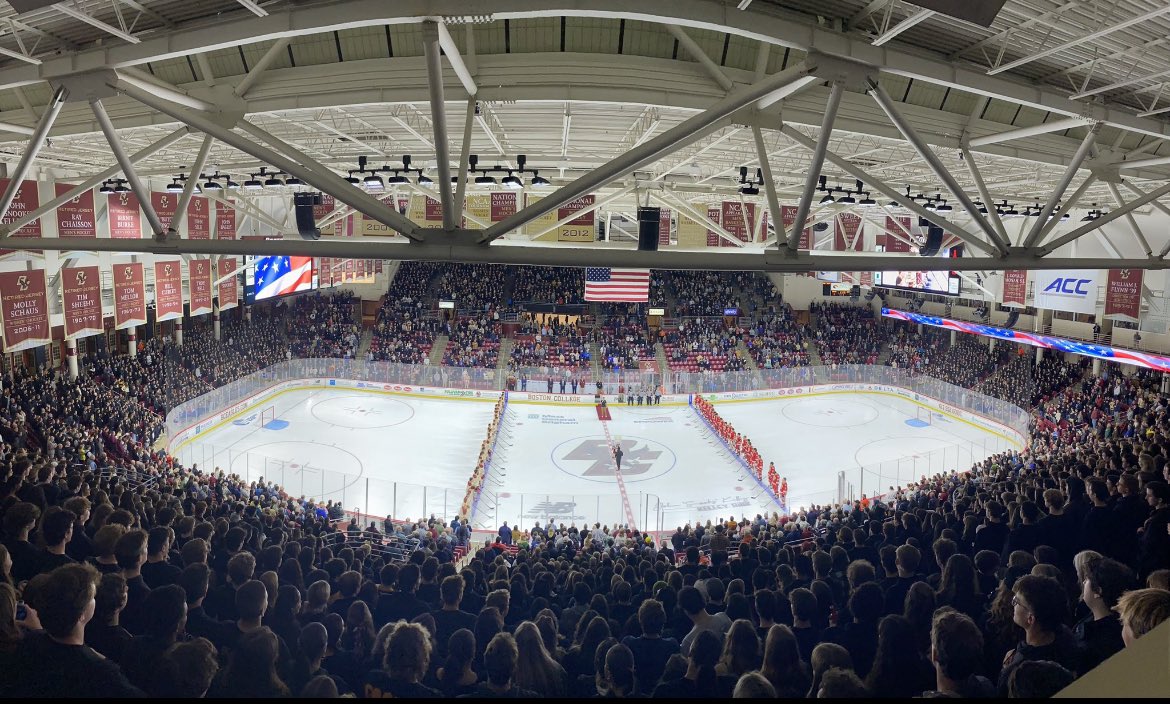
(1141, 611)
(1038, 679)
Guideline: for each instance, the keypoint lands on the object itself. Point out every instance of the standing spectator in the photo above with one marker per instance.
(1039, 607)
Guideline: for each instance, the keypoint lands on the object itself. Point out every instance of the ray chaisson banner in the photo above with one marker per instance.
(1048, 342)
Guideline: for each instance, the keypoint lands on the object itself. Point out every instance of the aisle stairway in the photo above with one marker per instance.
(595, 360)
(506, 346)
(364, 344)
(884, 354)
(437, 350)
(747, 357)
(660, 355)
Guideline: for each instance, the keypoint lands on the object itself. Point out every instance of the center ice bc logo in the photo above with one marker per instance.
(635, 460)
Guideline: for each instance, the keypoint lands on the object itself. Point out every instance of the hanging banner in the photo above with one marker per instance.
(129, 295)
(199, 285)
(714, 214)
(737, 221)
(198, 219)
(1123, 295)
(788, 213)
(899, 226)
(76, 217)
(165, 206)
(847, 232)
(225, 221)
(1072, 290)
(582, 228)
(543, 227)
(27, 199)
(124, 215)
(229, 291)
(24, 309)
(323, 209)
(81, 296)
(664, 227)
(1015, 288)
(692, 234)
(378, 266)
(866, 278)
(168, 290)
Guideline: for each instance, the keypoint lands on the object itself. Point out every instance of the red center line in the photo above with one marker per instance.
(618, 474)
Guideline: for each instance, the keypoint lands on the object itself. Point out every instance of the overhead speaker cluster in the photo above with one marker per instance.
(649, 226)
(934, 238)
(306, 222)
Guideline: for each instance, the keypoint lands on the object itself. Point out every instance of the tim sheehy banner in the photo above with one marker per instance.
(81, 296)
(1071, 290)
(24, 308)
(129, 295)
(1088, 349)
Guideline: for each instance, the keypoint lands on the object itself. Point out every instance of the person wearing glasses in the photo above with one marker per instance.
(1040, 607)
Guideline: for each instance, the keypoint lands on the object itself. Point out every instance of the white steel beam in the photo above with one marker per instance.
(902, 26)
(984, 194)
(862, 14)
(434, 60)
(465, 155)
(456, 61)
(1103, 220)
(1055, 195)
(814, 167)
(19, 56)
(253, 8)
(189, 186)
(671, 200)
(164, 90)
(75, 13)
(597, 204)
(791, 80)
(1065, 45)
(99, 112)
(1119, 84)
(242, 88)
(16, 178)
(1067, 207)
(769, 184)
(692, 48)
(1023, 132)
(1133, 225)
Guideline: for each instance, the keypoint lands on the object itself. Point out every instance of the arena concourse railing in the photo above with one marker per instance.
(1007, 431)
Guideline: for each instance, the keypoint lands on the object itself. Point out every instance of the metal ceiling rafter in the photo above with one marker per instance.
(1103, 220)
(908, 23)
(35, 142)
(434, 61)
(1065, 180)
(670, 199)
(252, 7)
(814, 168)
(1133, 225)
(77, 13)
(692, 48)
(250, 80)
(136, 185)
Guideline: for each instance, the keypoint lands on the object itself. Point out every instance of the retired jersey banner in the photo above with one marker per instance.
(199, 285)
(1071, 290)
(738, 221)
(847, 232)
(1123, 295)
(1015, 287)
(76, 217)
(225, 221)
(692, 234)
(168, 290)
(27, 199)
(81, 296)
(663, 227)
(229, 290)
(198, 219)
(788, 213)
(165, 205)
(714, 214)
(124, 215)
(899, 240)
(129, 295)
(24, 308)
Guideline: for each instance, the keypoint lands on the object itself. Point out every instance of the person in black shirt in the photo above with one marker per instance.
(957, 653)
(993, 533)
(166, 617)
(130, 552)
(56, 662)
(1039, 607)
(194, 581)
(402, 604)
(449, 618)
(26, 557)
(56, 531)
(499, 660)
(157, 572)
(104, 634)
(1099, 633)
(651, 650)
(804, 612)
(405, 663)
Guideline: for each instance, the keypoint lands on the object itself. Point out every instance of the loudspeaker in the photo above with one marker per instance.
(306, 223)
(649, 225)
(934, 238)
(1012, 319)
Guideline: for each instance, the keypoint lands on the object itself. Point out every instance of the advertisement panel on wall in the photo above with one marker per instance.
(1070, 290)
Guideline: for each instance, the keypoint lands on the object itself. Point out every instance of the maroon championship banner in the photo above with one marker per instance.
(24, 309)
(129, 295)
(76, 217)
(168, 290)
(322, 209)
(1015, 287)
(199, 284)
(1123, 294)
(378, 266)
(788, 214)
(125, 216)
(503, 205)
(81, 297)
(736, 221)
(229, 292)
(714, 214)
(198, 219)
(582, 228)
(27, 199)
(894, 244)
(847, 232)
(663, 228)
(225, 221)
(434, 210)
(165, 206)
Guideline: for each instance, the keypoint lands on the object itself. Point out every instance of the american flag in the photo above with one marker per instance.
(617, 285)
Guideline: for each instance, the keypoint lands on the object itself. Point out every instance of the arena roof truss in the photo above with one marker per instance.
(1054, 107)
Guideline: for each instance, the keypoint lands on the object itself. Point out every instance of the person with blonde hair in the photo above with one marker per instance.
(536, 669)
(753, 685)
(1142, 610)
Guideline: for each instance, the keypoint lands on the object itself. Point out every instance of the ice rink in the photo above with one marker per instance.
(408, 456)
(368, 449)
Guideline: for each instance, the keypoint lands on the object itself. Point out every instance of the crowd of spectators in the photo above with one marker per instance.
(776, 340)
(401, 332)
(475, 288)
(552, 341)
(846, 334)
(323, 325)
(473, 341)
(703, 344)
(548, 284)
(623, 342)
(711, 293)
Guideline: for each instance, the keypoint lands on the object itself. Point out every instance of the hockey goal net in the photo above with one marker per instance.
(267, 415)
(923, 415)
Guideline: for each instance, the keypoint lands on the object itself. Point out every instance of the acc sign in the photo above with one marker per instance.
(1073, 291)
